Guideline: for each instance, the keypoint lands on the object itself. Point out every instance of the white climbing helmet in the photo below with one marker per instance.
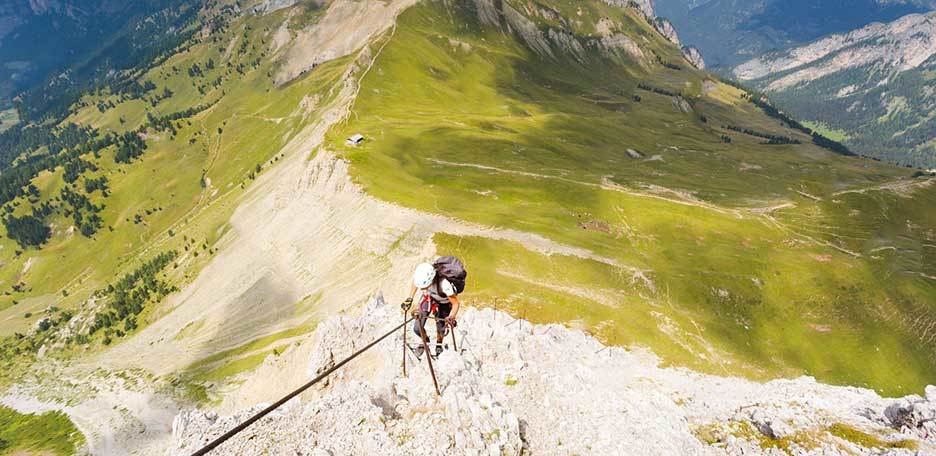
(423, 275)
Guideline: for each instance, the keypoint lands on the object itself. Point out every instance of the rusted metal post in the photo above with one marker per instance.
(452, 330)
(422, 335)
(404, 344)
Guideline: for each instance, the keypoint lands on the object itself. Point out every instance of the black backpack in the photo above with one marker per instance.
(453, 270)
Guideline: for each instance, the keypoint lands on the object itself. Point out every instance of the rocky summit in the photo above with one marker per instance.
(514, 387)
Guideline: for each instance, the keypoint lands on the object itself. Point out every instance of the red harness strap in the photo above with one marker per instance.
(428, 305)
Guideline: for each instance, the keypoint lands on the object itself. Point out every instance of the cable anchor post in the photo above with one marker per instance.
(422, 335)
(404, 343)
(452, 330)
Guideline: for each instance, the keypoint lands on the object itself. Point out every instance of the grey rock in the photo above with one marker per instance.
(554, 383)
(269, 6)
(694, 56)
(771, 426)
(644, 6)
(682, 105)
(665, 27)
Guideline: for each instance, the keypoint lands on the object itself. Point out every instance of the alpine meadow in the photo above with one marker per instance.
(207, 204)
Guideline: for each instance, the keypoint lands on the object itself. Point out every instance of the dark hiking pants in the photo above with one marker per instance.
(441, 313)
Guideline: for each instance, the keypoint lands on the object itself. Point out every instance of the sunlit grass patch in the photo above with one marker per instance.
(47, 433)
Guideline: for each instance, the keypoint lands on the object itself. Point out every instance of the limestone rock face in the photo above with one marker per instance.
(514, 385)
(644, 6)
(665, 27)
(694, 56)
(269, 6)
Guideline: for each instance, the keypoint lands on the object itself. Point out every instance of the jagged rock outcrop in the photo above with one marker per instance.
(390, 415)
(915, 414)
(269, 6)
(694, 56)
(644, 6)
(514, 384)
(357, 419)
(682, 104)
(527, 30)
(550, 40)
(665, 27)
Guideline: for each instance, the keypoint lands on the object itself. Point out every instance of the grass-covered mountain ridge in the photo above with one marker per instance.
(871, 88)
(176, 231)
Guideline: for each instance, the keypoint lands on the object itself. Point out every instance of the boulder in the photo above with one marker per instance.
(914, 415)
(770, 425)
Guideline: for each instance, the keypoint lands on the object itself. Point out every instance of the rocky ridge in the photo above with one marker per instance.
(886, 49)
(872, 87)
(730, 32)
(504, 15)
(515, 385)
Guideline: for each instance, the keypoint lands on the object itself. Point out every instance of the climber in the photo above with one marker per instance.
(435, 291)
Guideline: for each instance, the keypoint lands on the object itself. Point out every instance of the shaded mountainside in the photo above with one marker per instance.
(873, 88)
(173, 238)
(731, 31)
(41, 39)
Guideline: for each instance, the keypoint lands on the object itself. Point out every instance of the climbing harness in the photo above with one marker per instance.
(253, 419)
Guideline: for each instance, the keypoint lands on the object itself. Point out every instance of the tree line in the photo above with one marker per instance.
(129, 295)
(658, 90)
(146, 41)
(771, 138)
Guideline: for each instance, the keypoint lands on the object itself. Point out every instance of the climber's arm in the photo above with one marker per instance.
(455, 305)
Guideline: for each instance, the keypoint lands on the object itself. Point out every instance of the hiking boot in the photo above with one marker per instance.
(418, 351)
(439, 348)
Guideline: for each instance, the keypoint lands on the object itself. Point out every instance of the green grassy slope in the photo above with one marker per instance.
(468, 120)
(46, 434)
(179, 194)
